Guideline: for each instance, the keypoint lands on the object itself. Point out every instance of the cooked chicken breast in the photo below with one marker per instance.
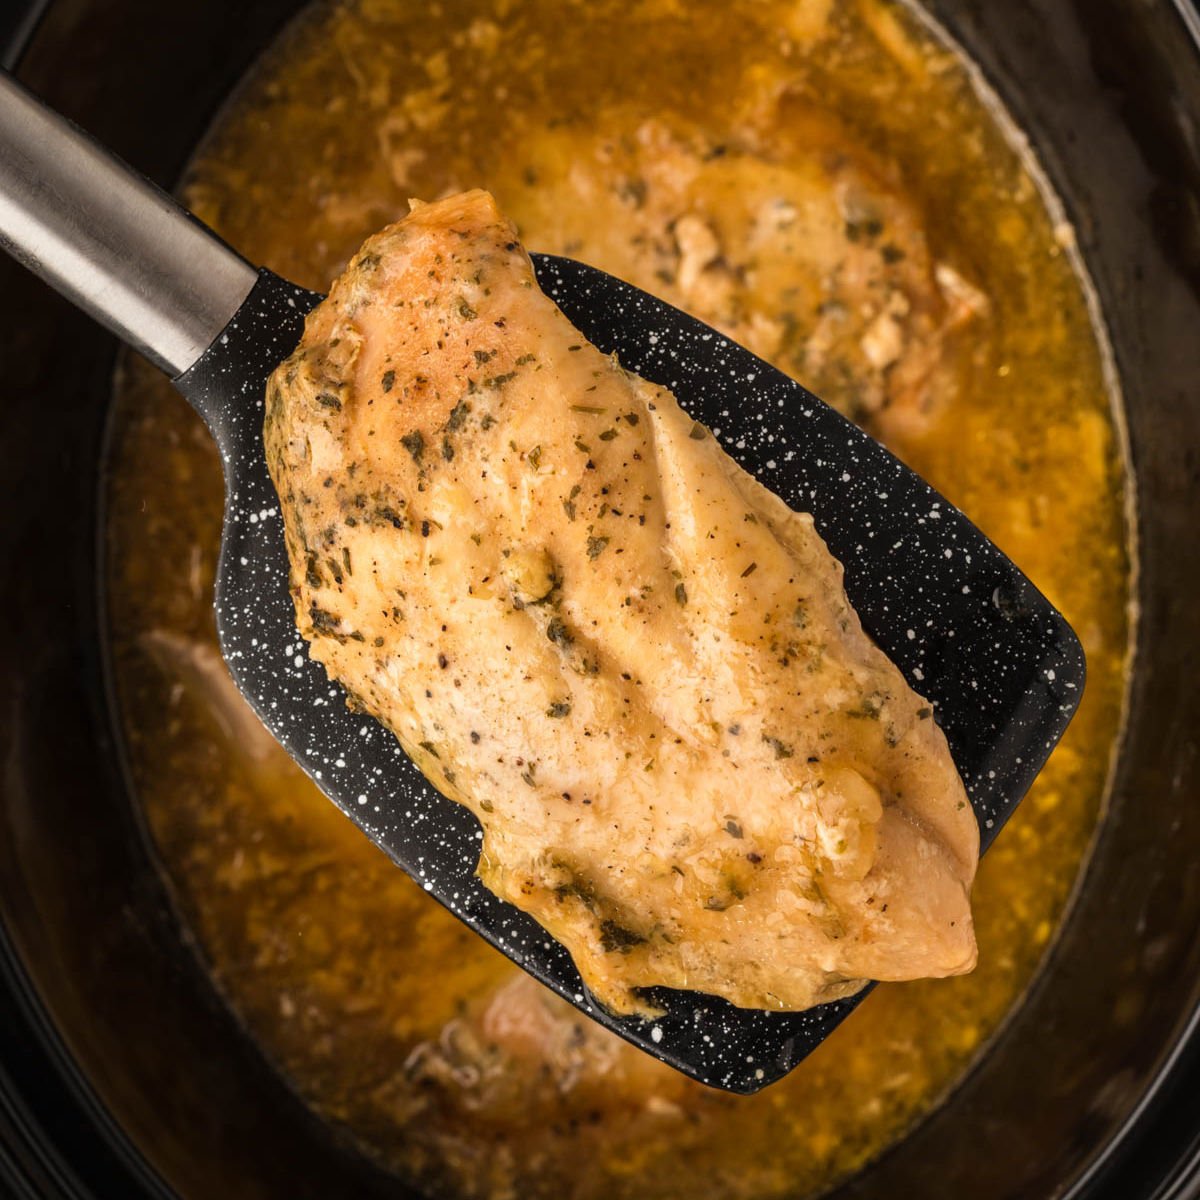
(784, 233)
(632, 662)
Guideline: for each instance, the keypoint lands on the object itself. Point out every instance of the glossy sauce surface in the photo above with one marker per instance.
(829, 188)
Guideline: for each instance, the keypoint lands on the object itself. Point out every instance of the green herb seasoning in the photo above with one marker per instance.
(781, 748)
(414, 443)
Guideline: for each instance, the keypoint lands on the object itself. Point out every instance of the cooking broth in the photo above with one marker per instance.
(827, 183)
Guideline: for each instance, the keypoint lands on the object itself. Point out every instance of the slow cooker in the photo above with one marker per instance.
(122, 1072)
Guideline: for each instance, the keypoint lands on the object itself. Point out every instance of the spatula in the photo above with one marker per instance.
(1001, 667)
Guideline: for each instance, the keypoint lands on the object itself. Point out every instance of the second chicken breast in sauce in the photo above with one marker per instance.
(632, 662)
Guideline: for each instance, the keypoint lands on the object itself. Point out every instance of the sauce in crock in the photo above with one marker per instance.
(828, 184)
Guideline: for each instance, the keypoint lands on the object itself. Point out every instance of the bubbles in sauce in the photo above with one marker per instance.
(824, 183)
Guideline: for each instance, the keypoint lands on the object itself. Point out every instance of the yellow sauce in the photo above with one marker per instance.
(350, 977)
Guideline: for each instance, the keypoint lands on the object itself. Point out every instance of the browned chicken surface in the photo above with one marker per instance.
(634, 664)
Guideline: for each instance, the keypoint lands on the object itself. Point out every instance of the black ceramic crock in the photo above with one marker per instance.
(122, 1074)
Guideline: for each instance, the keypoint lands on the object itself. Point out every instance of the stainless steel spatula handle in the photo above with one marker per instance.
(109, 240)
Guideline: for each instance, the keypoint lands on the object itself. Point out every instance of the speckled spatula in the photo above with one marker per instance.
(1001, 667)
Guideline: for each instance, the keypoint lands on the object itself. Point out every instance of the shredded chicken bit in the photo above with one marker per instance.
(632, 662)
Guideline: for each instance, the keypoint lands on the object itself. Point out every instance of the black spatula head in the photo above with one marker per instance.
(1001, 667)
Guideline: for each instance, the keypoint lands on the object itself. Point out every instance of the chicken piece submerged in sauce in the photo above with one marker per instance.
(632, 662)
(783, 233)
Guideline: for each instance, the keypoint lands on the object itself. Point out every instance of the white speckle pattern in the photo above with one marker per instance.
(1003, 670)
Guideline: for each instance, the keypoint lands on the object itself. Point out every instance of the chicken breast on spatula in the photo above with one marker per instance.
(632, 662)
